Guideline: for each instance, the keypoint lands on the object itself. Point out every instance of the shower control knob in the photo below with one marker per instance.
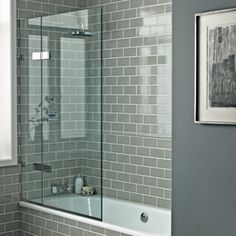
(144, 217)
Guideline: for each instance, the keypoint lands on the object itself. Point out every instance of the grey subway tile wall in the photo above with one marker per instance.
(137, 100)
(137, 112)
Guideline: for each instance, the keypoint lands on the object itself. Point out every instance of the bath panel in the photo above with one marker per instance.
(120, 216)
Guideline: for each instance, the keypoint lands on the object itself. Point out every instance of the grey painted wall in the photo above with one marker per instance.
(203, 155)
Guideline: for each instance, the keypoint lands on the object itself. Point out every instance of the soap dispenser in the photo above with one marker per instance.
(79, 183)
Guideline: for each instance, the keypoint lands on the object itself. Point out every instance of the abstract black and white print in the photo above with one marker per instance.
(221, 73)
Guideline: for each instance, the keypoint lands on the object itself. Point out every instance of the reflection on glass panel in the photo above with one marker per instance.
(71, 82)
(72, 70)
(38, 111)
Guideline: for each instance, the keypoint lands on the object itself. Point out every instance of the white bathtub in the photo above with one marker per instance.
(118, 215)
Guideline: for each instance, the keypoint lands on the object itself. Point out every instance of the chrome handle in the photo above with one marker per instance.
(40, 55)
(42, 167)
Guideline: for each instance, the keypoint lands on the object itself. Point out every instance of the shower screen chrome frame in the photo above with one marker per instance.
(8, 105)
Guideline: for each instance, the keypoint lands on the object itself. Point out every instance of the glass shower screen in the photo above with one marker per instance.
(65, 117)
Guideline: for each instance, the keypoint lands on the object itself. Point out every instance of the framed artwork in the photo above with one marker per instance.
(215, 67)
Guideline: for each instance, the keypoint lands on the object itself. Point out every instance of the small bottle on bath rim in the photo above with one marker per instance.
(79, 183)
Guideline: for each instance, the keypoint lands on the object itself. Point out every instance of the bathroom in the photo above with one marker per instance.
(101, 102)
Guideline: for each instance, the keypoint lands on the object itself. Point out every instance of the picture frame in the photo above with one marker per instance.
(215, 67)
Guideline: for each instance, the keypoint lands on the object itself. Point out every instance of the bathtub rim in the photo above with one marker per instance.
(86, 220)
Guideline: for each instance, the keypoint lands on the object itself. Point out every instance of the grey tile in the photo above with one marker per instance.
(45, 232)
(87, 233)
(150, 200)
(35, 230)
(136, 3)
(150, 181)
(164, 183)
(63, 229)
(150, 2)
(136, 179)
(123, 5)
(164, 203)
(51, 225)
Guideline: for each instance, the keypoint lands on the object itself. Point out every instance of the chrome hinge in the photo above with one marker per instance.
(40, 55)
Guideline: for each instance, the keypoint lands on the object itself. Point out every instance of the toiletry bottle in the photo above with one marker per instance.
(54, 189)
(79, 182)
